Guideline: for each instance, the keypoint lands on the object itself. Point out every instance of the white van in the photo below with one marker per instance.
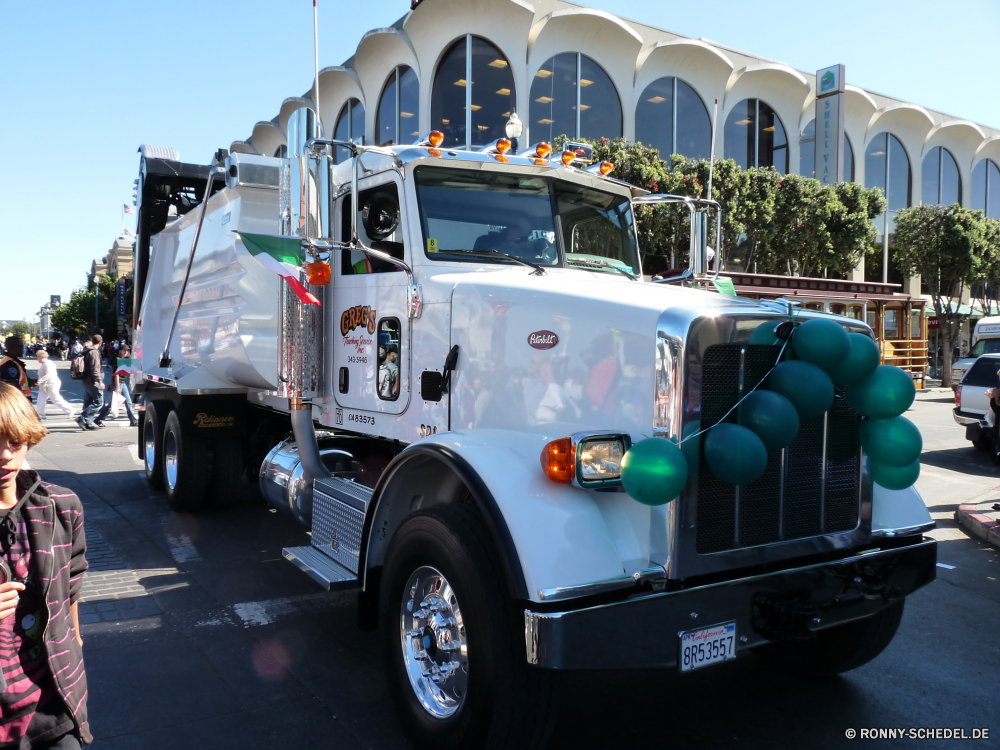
(985, 340)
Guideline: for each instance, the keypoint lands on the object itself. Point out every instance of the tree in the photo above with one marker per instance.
(755, 212)
(853, 230)
(942, 244)
(77, 315)
(20, 328)
(987, 271)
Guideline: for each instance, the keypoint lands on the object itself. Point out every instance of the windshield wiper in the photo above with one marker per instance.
(600, 264)
(539, 271)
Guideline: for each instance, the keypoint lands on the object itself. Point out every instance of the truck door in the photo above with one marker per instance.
(372, 350)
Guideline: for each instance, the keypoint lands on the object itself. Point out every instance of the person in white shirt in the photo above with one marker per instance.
(48, 386)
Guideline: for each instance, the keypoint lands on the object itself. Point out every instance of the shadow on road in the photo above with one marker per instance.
(966, 460)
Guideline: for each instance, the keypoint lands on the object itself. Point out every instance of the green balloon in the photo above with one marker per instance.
(860, 363)
(808, 388)
(764, 333)
(734, 454)
(887, 392)
(654, 471)
(771, 417)
(894, 477)
(821, 342)
(891, 442)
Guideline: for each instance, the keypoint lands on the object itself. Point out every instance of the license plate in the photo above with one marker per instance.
(700, 648)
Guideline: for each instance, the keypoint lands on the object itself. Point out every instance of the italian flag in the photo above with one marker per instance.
(124, 368)
(282, 255)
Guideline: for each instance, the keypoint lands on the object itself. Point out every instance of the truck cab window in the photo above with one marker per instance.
(378, 227)
(389, 363)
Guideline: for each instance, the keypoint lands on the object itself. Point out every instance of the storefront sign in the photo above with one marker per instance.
(830, 94)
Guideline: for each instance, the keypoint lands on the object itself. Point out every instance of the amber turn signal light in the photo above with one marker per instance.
(435, 138)
(558, 460)
(542, 150)
(568, 157)
(606, 168)
(318, 273)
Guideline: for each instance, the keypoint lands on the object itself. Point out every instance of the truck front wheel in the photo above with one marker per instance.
(187, 466)
(838, 649)
(453, 638)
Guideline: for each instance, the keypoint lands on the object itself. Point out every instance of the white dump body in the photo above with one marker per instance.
(226, 338)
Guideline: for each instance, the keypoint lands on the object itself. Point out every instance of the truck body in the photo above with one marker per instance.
(482, 306)
(985, 340)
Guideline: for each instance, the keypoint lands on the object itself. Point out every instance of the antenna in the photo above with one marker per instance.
(316, 62)
(711, 156)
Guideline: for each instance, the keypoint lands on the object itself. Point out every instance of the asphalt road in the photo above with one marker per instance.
(198, 635)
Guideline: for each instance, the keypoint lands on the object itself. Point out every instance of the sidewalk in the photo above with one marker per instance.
(982, 518)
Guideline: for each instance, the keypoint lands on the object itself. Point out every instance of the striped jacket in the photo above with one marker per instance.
(54, 519)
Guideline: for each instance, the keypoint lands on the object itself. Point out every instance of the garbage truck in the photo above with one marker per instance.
(439, 361)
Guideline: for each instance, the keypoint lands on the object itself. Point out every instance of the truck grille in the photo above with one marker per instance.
(794, 498)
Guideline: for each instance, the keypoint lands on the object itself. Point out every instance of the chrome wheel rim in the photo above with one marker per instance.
(432, 635)
(170, 459)
(149, 443)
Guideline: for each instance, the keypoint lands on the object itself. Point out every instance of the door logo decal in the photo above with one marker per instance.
(542, 340)
(359, 316)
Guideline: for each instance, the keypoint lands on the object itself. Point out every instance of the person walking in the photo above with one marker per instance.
(76, 348)
(12, 368)
(43, 683)
(49, 385)
(120, 377)
(63, 349)
(93, 384)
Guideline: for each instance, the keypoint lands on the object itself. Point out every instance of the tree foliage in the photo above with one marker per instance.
(20, 328)
(76, 316)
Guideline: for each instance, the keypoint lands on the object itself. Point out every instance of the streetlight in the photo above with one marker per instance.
(513, 129)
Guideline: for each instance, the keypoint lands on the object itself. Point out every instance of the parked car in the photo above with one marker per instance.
(972, 403)
(985, 340)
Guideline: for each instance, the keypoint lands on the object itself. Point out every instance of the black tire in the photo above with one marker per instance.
(507, 703)
(227, 470)
(151, 439)
(188, 491)
(838, 649)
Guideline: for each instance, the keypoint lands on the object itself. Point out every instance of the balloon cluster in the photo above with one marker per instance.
(803, 388)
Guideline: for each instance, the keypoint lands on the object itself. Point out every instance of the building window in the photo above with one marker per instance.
(887, 167)
(398, 108)
(941, 183)
(472, 114)
(986, 188)
(672, 118)
(350, 127)
(807, 153)
(755, 136)
(559, 106)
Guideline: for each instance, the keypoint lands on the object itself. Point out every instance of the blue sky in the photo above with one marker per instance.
(83, 84)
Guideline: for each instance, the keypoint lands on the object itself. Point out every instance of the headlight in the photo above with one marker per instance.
(587, 460)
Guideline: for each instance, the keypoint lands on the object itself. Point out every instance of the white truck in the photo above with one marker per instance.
(985, 340)
(483, 307)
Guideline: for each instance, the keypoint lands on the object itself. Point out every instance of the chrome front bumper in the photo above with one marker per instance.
(788, 605)
(965, 418)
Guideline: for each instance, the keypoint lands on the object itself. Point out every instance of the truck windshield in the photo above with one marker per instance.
(985, 346)
(466, 211)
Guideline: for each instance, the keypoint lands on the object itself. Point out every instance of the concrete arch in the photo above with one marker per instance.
(267, 137)
(375, 59)
(434, 26)
(241, 147)
(988, 149)
(701, 66)
(910, 123)
(961, 138)
(337, 84)
(606, 39)
(291, 104)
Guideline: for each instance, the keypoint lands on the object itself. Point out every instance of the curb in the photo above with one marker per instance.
(976, 522)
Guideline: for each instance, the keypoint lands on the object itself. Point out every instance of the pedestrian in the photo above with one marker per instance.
(121, 376)
(63, 349)
(12, 368)
(49, 385)
(76, 348)
(93, 384)
(43, 685)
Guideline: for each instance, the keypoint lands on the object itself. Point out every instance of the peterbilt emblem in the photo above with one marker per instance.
(542, 339)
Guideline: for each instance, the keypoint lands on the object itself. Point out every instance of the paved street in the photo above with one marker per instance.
(198, 635)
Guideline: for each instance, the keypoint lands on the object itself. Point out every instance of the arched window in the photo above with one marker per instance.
(807, 153)
(986, 188)
(559, 106)
(350, 127)
(941, 182)
(398, 108)
(887, 167)
(472, 114)
(755, 136)
(672, 118)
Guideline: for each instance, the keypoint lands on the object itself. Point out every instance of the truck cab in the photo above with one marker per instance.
(451, 423)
